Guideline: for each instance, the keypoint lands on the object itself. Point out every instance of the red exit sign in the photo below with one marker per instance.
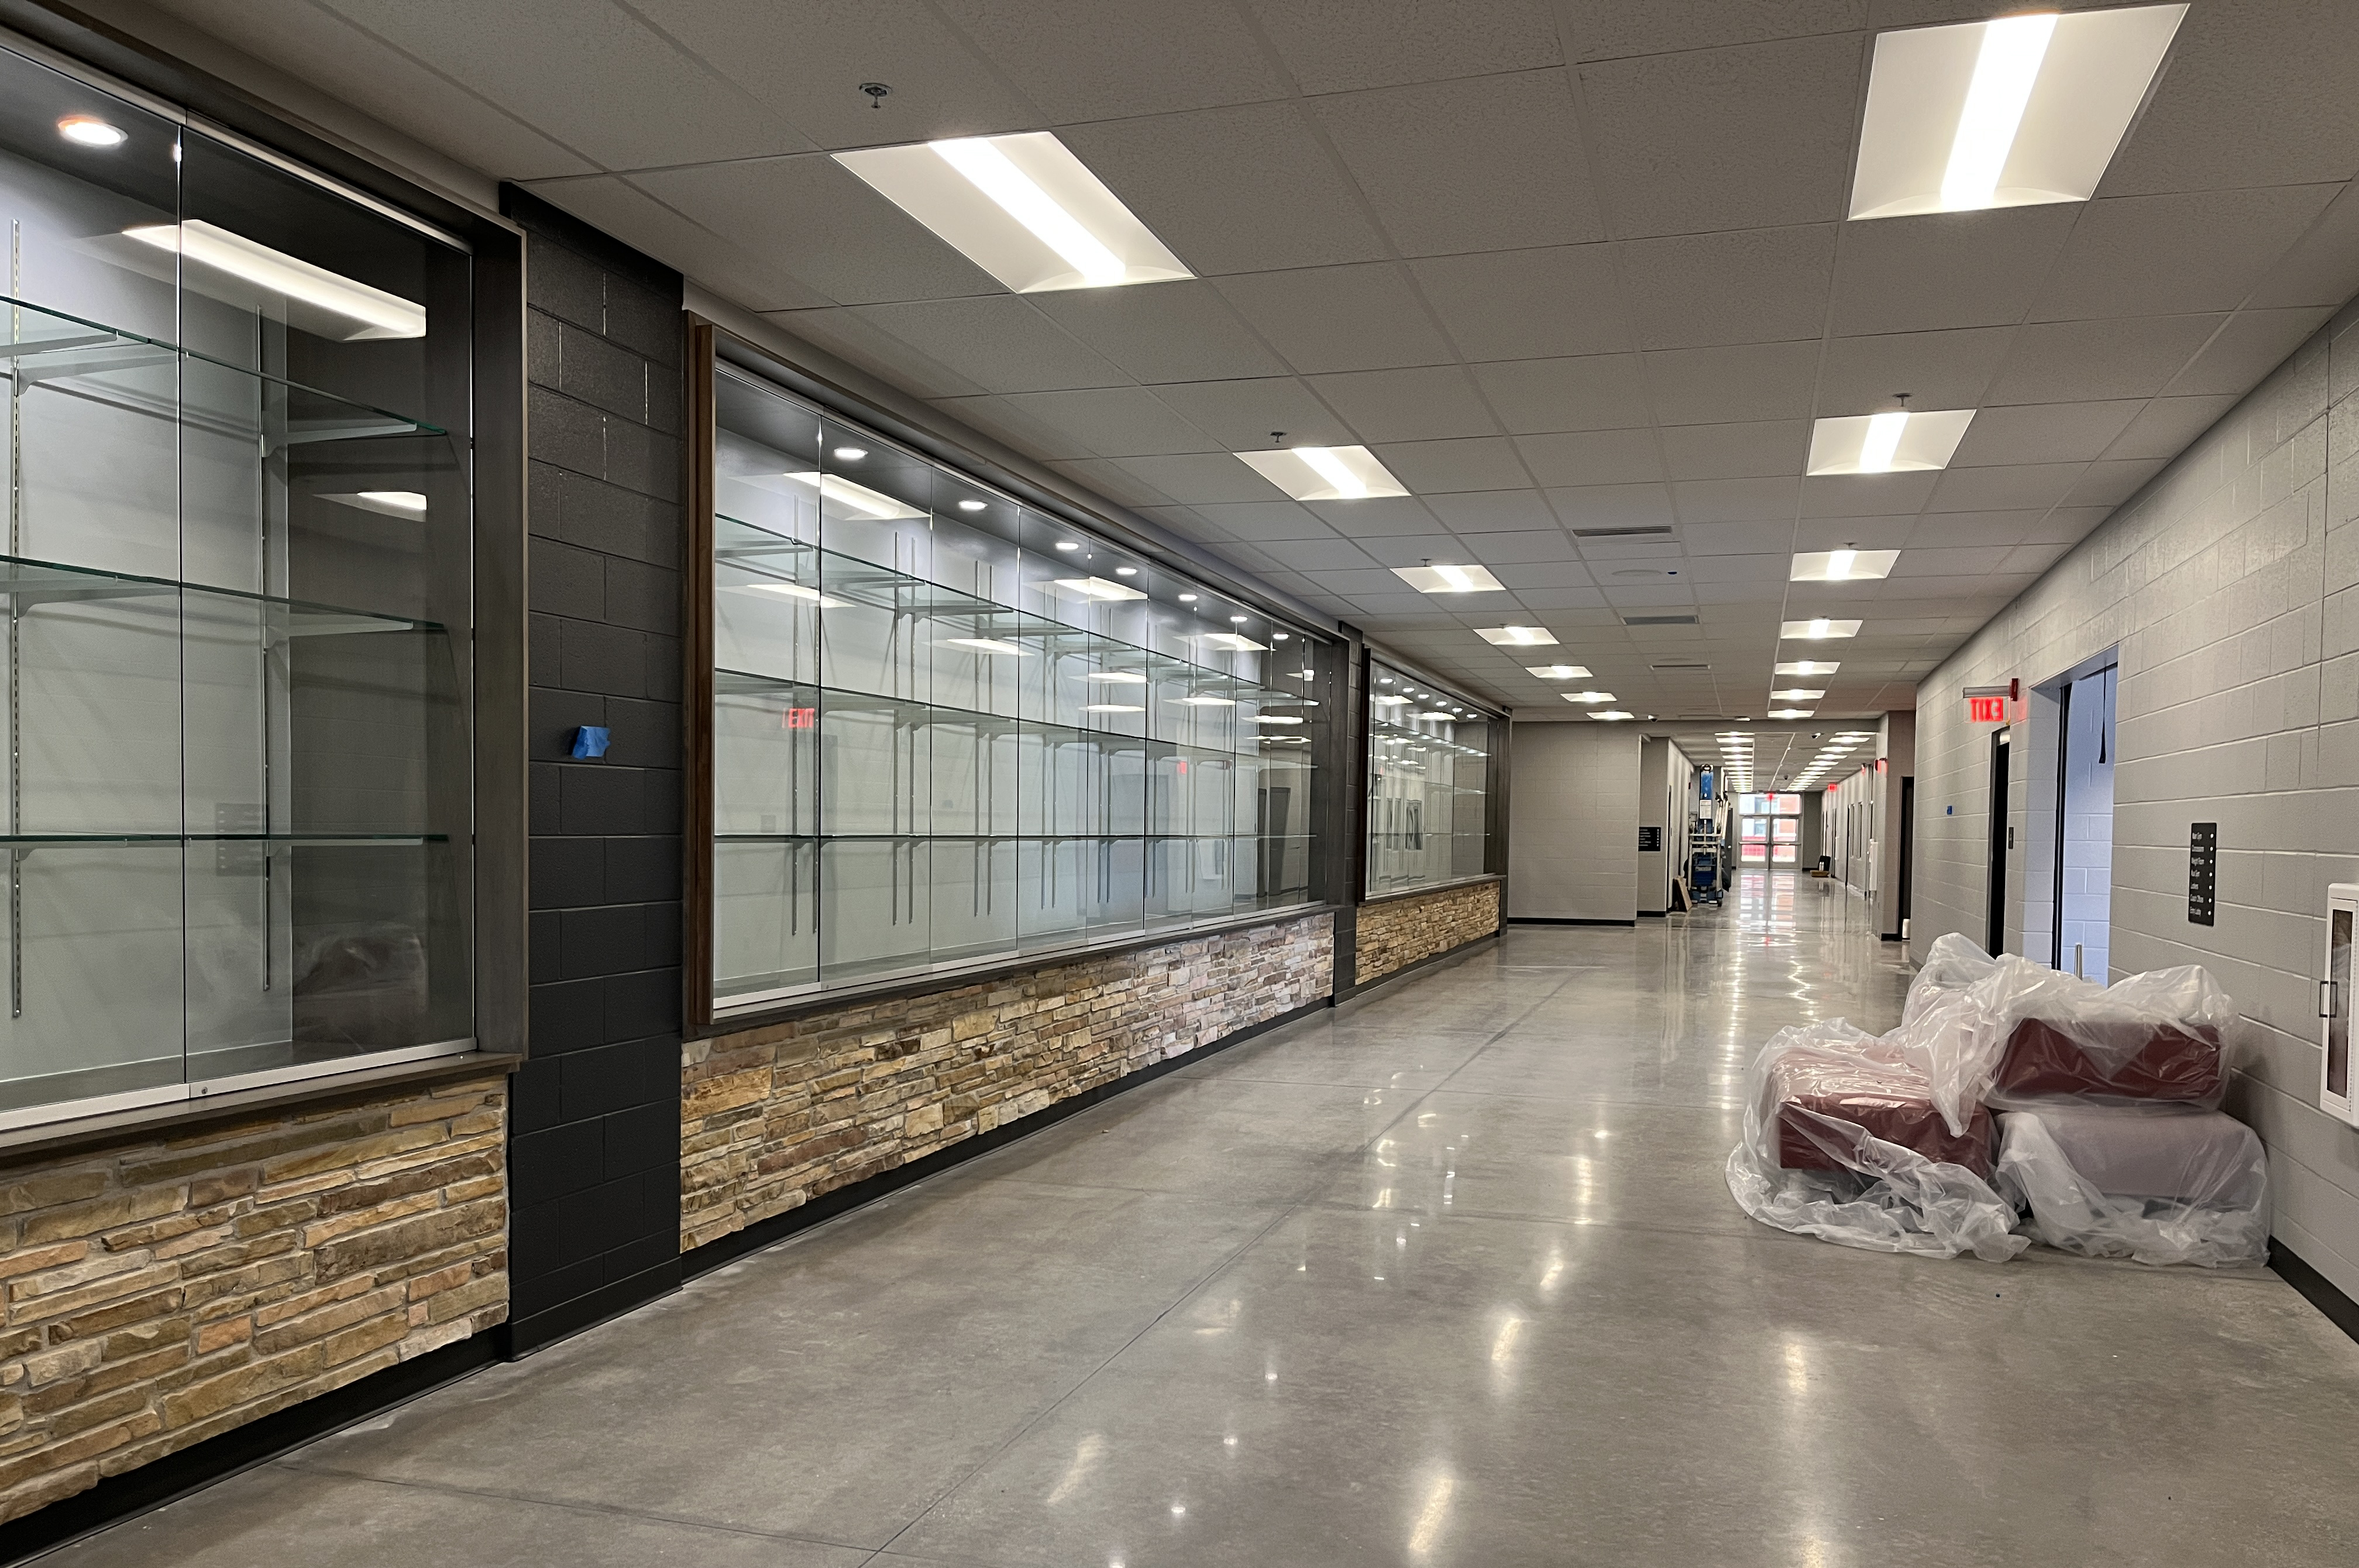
(1986, 710)
(802, 718)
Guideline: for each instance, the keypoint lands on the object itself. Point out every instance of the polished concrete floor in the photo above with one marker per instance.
(1446, 1277)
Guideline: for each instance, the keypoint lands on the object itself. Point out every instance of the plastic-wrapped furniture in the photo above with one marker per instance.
(1815, 1158)
(2159, 1182)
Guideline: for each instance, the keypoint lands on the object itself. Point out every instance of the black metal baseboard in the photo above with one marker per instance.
(2315, 1288)
(1562, 920)
(135, 1492)
(727, 1249)
(520, 1337)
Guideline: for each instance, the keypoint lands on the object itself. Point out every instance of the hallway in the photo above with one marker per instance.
(1446, 1276)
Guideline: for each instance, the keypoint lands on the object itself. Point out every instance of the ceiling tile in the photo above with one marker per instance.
(2111, 483)
(1493, 511)
(2323, 268)
(1005, 421)
(618, 207)
(586, 75)
(1460, 165)
(1105, 59)
(1593, 457)
(1606, 29)
(1946, 269)
(2220, 245)
(1737, 500)
(998, 342)
(1366, 317)
(1944, 530)
(1318, 555)
(1415, 550)
(1162, 331)
(862, 343)
(1208, 481)
(2066, 361)
(1527, 304)
(1242, 415)
(2253, 343)
(1483, 462)
(1595, 392)
(1853, 533)
(1866, 495)
(1407, 405)
(1742, 286)
(1937, 369)
(1753, 449)
(1732, 138)
(2044, 432)
(1116, 485)
(1997, 489)
(1710, 386)
(810, 219)
(2168, 425)
(1262, 521)
(1242, 189)
(1333, 48)
(1114, 421)
(1520, 548)
(1382, 516)
(1581, 507)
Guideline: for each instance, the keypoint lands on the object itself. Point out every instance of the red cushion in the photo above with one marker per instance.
(1896, 1109)
(2139, 1062)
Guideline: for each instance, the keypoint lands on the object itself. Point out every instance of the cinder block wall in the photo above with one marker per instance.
(773, 1118)
(173, 1287)
(1572, 838)
(2230, 585)
(1399, 932)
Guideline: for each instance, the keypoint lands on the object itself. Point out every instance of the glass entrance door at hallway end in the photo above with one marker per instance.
(2001, 835)
(2084, 825)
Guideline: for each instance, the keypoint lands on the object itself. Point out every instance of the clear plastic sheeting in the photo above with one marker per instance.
(1842, 1141)
(2161, 1183)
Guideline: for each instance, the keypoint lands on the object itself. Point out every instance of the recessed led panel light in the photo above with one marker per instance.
(88, 130)
(851, 454)
(1517, 636)
(988, 645)
(1324, 472)
(354, 311)
(1844, 565)
(1818, 629)
(1587, 696)
(1795, 694)
(1021, 207)
(971, 505)
(1808, 667)
(1612, 715)
(1558, 672)
(857, 500)
(2010, 112)
(1093, 589)
(1388, 700)
(1450, 579)
(1895, 441)
(1789, 713)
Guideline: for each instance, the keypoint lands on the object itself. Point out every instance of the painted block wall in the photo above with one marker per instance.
(1572, 838)
(2231, 586)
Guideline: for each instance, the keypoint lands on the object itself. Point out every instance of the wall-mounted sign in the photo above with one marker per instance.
(2203, 871)
(1989, 705)
(802, 718)
(1650, 840)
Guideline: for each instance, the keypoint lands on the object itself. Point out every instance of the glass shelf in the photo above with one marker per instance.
(44, 346)
(24, 585)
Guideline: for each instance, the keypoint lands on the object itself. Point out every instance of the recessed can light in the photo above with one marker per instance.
(1187, 598)
(1069, 544)
(971, 505)
(851, 454)
(88, 130)
(1125, 572)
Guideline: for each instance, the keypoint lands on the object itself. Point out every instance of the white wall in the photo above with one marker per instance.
(2230, 585)
(1572, 835)
(1657, 808)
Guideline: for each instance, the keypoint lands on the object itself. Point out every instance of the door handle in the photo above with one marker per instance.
(2330, 998)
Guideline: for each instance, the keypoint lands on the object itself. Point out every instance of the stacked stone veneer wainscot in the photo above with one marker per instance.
(776, 1116)
(162, 1293)
(1400, 932)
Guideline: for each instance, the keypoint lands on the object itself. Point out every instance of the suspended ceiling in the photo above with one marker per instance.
(1563, 267)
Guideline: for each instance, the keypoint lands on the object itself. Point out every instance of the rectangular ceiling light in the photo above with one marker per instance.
(1558, 672)
(1230, 642)
(1819, 627)
(2011, 112)
(1021, 207)
(1450, 579)
(1326, 473)
(354, 309)
(1093, 589)
(1590, 697)
(857, 500)
(1844, 565)
(1517, 636)
(1896, 441)
(1797, 694)
(1789, 713)
(1808, 667)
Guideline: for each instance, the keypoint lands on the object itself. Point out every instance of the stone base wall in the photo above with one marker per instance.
(1396, 933)
(775, 1116)
(161, 1293)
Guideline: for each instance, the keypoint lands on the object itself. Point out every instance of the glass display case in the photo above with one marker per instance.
(235, 789)
(947, 728)
(1429, 784)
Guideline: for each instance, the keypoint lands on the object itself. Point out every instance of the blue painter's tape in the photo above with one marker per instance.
(592, 740)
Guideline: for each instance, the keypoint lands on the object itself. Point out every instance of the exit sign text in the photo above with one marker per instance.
(1986, 710)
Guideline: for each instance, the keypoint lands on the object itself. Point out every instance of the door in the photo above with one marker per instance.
(1907, 850)
(1995, 931)
(2334, 1096)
